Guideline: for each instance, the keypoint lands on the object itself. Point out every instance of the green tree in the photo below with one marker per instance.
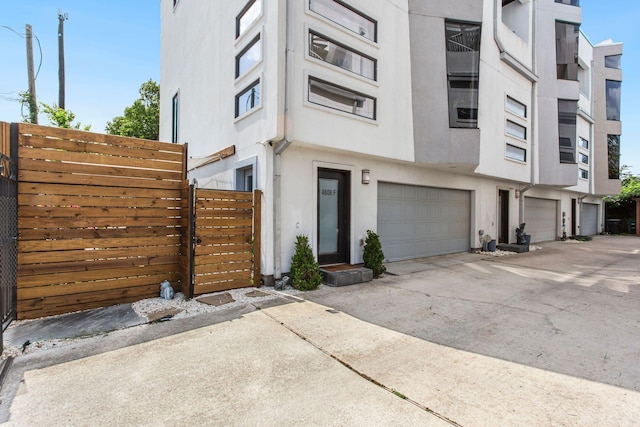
(630, 188)
(142, 118)
(62, 118)
(305, 271)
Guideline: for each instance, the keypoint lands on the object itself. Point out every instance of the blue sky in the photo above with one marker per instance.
(111, 47)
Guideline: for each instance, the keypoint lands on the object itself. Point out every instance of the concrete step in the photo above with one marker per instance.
(346, 277)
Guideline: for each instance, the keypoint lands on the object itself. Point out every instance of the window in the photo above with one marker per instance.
(569, 2)
(346, 17)
(567, 127)
(613, 61)
(250, 55)
(463, 69)
(584, 159)
(613, 142)
(584, 174)
(174, 118)
(516, 107)
(516, 130)
(584, 143)
(248, 99)
(584, 78)
(339, 98)
(516, 153)
(248, 16)
(613, 99)
(567, 50)
(341, 56)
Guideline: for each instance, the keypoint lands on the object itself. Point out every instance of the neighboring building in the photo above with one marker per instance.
(430, 122)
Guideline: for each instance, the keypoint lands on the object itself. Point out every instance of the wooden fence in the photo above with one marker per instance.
(225, 225)
(100, 219)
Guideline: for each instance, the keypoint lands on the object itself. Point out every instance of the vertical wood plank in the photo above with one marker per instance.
(257, 238)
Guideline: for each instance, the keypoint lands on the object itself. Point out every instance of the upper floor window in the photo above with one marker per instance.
(463, 73)
(584, 174)
(584, 143)
(569, 2)
(613, 61)
(584, 159)
(516, 153)
(613, 143)
(248, 16)
(347, 17)
(342, 99)
(516, 130)
(584, 79)
(516, 107)
(567, 50)
(613, 99)
(174, 118)
(341, 56)
(567, 129)
(248, 99)
(250, 55)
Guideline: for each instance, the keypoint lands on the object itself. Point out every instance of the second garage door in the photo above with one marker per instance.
(589, 220)
(415, 222)
(540, 216)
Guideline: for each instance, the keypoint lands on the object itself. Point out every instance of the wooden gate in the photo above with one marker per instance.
(226, 240)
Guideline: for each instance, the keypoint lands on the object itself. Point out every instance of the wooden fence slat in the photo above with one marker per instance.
(205, 288)
(104, 212)
(96, 180)
(51, 257)
(84, 169)
(257, 238)
(46, 189)
(60, 245)
(78, 266)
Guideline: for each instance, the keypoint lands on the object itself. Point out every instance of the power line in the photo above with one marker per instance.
(24, 36)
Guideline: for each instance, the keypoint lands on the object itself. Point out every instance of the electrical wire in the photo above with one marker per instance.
(24, 36)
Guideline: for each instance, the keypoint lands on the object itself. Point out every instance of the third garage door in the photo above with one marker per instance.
(540, 216)
(415, 222)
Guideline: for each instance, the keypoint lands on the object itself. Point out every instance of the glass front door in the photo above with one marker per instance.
(333, 217)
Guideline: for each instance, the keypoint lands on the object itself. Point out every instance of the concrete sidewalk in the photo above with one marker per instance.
(307, 364)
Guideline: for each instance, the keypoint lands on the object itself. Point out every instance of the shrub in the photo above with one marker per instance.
(373, 255)
(305, 271)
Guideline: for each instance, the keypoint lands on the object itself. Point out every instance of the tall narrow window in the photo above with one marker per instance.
(463, 71)
(248, 16)
(567, 129)
(342, 99)
(567, 50)
(613, 142)
(250, 55)
(248, 99)
(334, 53)
(174, 118)
(613, 99)
(584, 78)
(346, 17)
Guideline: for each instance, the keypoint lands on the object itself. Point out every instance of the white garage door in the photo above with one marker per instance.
(540, 216)
(415, 222)
(589, 220)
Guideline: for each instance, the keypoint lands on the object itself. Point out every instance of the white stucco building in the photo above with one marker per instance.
(425, 121)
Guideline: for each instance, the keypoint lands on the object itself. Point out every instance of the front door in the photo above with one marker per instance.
(333, 216)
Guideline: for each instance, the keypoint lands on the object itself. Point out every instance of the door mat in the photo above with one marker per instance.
(340, 267)
(217, 300)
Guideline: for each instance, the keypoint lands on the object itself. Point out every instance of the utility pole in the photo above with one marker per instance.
(33, 106)
(61, 19)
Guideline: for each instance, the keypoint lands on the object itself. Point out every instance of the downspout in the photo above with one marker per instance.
(280, 144)
(531, 75)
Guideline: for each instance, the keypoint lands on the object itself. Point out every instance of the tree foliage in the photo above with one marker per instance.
(373, 256)
(305, 271)
(142, 118)
(62, 118)
(630, 188)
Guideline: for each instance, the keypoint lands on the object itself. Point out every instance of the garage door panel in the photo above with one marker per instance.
(423, 221)
(540, 217)
(589, 219)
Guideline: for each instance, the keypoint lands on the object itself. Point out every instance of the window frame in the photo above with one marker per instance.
(617, 107)
(581, 145)
(255, 83)
(513, 110)
(613, 163)
(242, 13)
(247, 48)
(348, 91)
(569, 2)
(517, 126)
(568, 73)
(584, 172)
(518, 149)
(619, 61)
(175, 117)
(374, 62)
(584, 158)
(373, 39)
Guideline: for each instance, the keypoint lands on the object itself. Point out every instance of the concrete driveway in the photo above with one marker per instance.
(545, 338)
(572, 307)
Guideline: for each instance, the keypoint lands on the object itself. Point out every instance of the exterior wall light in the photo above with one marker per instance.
(366, 176)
